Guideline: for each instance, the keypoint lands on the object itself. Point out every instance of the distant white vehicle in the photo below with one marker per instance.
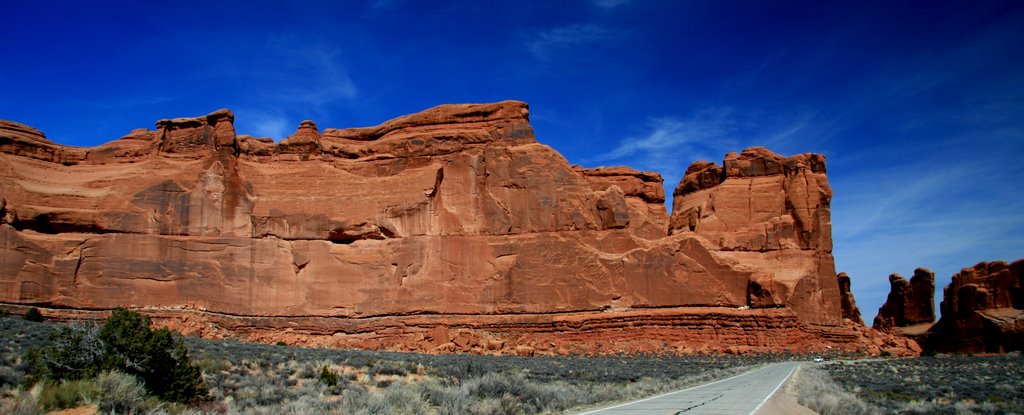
(819, 359)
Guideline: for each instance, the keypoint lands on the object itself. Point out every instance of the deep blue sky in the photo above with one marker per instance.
(918, 106)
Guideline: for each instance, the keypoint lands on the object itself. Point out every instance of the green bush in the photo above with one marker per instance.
(158, 358)
(125, 343)
(33, 314)
(72, 352)
(328, 377)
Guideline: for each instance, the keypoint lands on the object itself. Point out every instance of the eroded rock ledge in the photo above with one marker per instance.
(453, 217)
(982, 309)
(909, 304)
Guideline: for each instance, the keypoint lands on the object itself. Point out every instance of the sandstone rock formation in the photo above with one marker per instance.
(770, 215)
(846, 301)
(910, 303)
(447, 230)
(982, 310)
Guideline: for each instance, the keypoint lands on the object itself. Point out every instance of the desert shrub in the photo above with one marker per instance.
(124, 343)
(302, 406)
(34, 315)
(506, 405)
(392, 368)
(24, 403)
(398, 399)
(327, 377)
(72, 352)
(9, 376)
(53, 395)
(448, 400)
(982, 384)
(157, 357)
(213, 365)
(463, 369)
(121, 393)
(816, 390)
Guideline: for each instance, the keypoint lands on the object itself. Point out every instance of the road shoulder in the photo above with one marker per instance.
(784, 403)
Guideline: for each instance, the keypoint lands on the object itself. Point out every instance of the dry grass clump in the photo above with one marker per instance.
(815, 389)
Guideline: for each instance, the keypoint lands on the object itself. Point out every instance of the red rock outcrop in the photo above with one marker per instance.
(770, 214)
(982, 310)
(447, 230)
(910, 303)
(846, 300)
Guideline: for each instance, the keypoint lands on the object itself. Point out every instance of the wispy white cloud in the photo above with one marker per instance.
(794, 130)
(549, 44)
(669, 144)
(288, 79)
(307, 73)
(264, 124)
(932, 212)
(302, 73)
(895, 193)
(673, 135)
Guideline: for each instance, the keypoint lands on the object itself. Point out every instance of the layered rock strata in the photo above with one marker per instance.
(452, 226)
(982, 310)
(910, 303)
(770, 215)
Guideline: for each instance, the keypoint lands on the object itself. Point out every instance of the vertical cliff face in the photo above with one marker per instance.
(401, 236)
(770, 214)
(982, 310)
(846, 301)
(909, 303)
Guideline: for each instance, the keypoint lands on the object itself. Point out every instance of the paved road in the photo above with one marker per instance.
(743, 394)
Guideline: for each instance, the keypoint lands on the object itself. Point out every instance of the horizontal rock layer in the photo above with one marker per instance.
(455, 212)
(684, 330)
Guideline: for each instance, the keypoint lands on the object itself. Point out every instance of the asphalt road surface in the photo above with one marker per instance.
(742, 394)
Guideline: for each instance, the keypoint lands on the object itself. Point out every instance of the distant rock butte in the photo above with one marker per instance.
(982, 310)
(450, 230)
(846, 301)
(910, 303)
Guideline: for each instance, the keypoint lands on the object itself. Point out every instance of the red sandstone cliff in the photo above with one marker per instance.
(450, 229)
(910, 304)
(770, 215)
(982, 310)
(846, 301)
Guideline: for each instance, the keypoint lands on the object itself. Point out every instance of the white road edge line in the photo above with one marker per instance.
(674, 392)
(774, 390)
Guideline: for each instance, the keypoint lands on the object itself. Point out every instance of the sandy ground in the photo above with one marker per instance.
(81, 410)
